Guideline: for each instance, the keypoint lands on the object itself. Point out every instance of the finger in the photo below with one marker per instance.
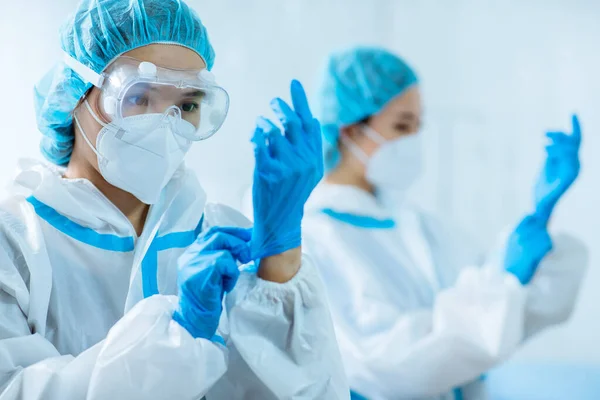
(279, 147)
(198, 272)
(217, 239)
(216, 271)
(244, 234)
(311, 126)
(300, 102)
(229, 271)
(266, 125)
(261, 150)
(576, 129)
(273, 136)
(316, 138)
(262, 154)
(289, 119)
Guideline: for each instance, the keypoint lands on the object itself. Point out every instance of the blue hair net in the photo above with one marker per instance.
(96, 34)
(357, 83)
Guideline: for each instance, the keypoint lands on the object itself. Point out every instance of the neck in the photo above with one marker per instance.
(129, 205)
(344, 175)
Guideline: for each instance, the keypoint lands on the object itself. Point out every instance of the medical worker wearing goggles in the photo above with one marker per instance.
(416, 315)
(93, 254)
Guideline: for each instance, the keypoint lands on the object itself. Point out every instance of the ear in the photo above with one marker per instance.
(351, 131)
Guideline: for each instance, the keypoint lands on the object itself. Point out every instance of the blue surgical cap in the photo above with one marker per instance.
(95, 35)
(357, 83)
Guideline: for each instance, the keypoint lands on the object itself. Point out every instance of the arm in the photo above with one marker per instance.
(552, 294)
(146, 355)
(553, 290)
(409, 351)
(281, 338)
(560, 272)
(281, 267)
(278, 331)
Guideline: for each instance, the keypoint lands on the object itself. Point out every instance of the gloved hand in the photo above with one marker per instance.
(206, 271)
(288, 167)
(526, 247)
(560, 170)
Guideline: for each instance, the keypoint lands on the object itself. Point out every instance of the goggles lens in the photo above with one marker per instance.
(134, 89)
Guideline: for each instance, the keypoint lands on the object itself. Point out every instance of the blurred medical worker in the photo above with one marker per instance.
(417, 315)
(113, 269)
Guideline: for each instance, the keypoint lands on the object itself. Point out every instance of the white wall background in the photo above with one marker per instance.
(495, 75)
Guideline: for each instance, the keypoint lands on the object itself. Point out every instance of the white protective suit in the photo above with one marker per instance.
(416, 315)
(77, 320)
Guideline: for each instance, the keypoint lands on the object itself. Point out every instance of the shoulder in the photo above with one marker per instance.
(17, 218)
(19, 236)
(440, 226)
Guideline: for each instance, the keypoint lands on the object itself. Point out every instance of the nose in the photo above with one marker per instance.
(173, 111)
(173, 115)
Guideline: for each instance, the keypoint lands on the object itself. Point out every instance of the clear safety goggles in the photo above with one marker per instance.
(132, 90)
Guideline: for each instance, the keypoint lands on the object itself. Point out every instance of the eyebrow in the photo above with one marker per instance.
(153, 88)
(408, 115)
(194, 93)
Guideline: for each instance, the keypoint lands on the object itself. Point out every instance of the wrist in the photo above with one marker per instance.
(281, 267)
(274, 243)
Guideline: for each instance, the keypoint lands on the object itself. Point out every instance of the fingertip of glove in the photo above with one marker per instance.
(296, 85)
(276, 102)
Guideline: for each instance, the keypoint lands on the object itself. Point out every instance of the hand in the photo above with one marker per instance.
(526, 247)
(560, 169)
(288, 167)
(206, 271)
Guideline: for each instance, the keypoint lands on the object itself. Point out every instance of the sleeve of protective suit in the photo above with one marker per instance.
(280, 336)
(281, 340)
(426, 352)
(146, 355)
(553, 291)
(561, 271)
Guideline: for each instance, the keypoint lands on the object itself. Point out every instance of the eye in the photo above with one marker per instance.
(190, 107)
(403, 128)
(139, 101)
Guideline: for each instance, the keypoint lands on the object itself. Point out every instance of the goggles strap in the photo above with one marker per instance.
(87, 140)
(373, 134)
(89, 108)
(85, 72)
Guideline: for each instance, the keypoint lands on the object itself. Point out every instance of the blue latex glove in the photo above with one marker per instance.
(560, 170)
(206, 271)
(526, 247)
(288, 167)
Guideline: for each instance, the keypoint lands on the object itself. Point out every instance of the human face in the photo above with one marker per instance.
(168, 56)
(400, 117)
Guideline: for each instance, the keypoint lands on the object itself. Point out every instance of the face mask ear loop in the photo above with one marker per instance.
(93, 114)
(373, 134)
(355, 150)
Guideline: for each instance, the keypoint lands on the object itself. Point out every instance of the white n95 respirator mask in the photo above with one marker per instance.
(395, 165)
(143, 157)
